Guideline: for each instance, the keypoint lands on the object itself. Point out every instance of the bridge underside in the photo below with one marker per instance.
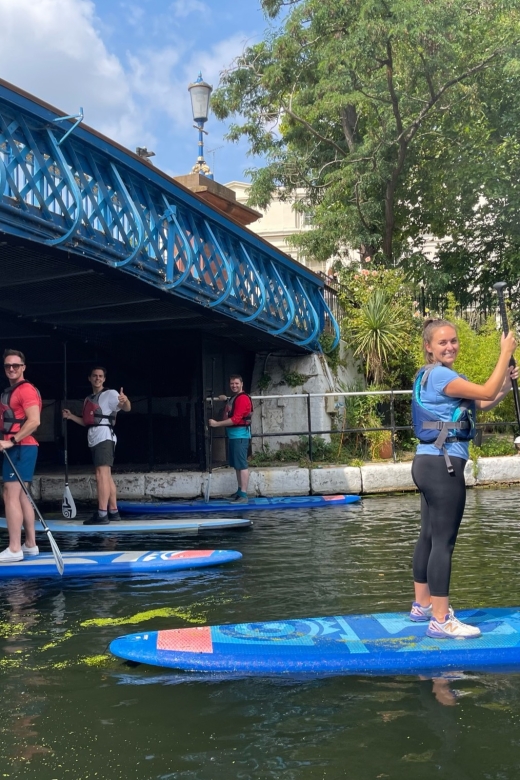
(67, 296)
(167, 354)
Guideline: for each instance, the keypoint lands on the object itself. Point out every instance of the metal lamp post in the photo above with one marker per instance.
(200, 93)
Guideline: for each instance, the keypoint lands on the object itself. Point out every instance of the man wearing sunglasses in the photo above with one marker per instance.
(20, 409)
(99, 416)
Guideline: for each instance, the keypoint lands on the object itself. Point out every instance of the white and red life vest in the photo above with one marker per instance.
(92, 413)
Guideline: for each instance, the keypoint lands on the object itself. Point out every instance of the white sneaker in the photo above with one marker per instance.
(451, 628)
(420, 614)
(10, 557)
(30, 550)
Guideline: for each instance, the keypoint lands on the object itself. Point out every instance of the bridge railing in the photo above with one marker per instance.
(80, 192)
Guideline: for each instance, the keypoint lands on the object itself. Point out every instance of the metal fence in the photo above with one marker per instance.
(389, 398)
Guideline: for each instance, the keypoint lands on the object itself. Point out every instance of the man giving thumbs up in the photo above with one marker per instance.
(99, 416)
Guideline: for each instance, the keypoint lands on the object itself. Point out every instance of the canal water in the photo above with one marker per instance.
(69, 710)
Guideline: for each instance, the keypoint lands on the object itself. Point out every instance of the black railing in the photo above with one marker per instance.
(393, 414)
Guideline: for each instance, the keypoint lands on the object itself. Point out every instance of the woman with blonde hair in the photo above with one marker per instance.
(443, 408)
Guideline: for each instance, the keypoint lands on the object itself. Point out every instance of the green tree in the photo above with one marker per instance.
(374, 109)
(380, 324)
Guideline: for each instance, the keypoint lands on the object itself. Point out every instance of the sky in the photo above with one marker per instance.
(128, 64)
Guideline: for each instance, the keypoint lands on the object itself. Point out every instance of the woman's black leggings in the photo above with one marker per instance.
(443, 498)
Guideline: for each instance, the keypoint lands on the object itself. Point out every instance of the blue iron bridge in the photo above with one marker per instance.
(79, 202)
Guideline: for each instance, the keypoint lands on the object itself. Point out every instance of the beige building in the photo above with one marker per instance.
(279, 221)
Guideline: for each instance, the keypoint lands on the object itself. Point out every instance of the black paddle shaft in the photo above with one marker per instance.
(499, 287)
(64, 423)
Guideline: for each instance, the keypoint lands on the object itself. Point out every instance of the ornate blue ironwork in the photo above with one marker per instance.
(80, 192)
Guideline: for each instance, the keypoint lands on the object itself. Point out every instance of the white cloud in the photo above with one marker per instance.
(58, 50)
(183, 8)
(52, 49)
(161, 76)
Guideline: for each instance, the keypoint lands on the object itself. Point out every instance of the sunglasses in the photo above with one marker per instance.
(12, 366)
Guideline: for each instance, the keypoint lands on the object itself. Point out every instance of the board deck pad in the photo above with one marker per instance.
(381, 643)
(199, 506)
(133, 526)
(80, 564)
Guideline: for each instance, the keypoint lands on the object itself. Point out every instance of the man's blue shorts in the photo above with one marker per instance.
(24, 458)
(237, 453)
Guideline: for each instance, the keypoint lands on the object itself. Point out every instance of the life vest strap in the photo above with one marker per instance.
(449, 464)
(444, 428)
(438, 425)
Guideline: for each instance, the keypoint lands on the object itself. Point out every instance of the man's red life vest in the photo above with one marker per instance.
(229, 409)
(92, 413)
(9, 423)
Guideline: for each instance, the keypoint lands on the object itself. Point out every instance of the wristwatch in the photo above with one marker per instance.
(13, 440)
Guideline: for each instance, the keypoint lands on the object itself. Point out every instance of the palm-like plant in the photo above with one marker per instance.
(381, 331)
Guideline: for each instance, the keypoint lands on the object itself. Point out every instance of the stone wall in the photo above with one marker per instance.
(276, 374)
(279, 481)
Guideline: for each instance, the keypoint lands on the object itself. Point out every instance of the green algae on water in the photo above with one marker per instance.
(141, 617)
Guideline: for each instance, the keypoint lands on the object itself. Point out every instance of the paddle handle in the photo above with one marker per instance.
(499, 287)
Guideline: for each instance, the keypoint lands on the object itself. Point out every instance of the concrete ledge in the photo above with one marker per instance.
(273, 481)
(36, 488)
(130, 485)
(173, 485)
(500, 470)
(469, 476)
(82, 488)
(280, 482)
(331, 480)
(385, 478)
(223, 483)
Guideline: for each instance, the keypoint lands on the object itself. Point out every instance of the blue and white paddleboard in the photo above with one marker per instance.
(87, 564)
(385, 643)
(217, 505)
(134, 526)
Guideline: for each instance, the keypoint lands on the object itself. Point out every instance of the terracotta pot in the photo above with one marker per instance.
(384, 451)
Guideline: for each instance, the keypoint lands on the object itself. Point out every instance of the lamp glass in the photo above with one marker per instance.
(200, 93)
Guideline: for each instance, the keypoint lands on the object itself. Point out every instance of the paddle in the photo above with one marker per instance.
(210, 436)
(499, 287)
(55, 549)
(68, 506)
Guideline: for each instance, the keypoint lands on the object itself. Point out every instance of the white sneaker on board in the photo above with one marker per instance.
(451, 628)
(30, 550)
(10, 557)
(420, 614)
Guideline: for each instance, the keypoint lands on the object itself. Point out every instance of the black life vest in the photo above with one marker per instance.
(92, 414)
(8, 419)
(229, 409)
(430, 428)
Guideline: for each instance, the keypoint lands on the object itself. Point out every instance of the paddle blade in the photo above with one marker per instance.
(207, 490)
(58, 559)
(68, 507)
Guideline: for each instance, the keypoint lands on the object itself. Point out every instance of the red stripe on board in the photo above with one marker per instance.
(186, 640)
(332, 498)
(192, 554)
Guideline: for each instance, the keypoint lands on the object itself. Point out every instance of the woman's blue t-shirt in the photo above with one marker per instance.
(435, 400)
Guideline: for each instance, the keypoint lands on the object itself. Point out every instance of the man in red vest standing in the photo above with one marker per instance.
(237, 422)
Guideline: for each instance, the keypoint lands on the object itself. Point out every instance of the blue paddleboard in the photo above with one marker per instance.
(216, 505)
(128, 526)
(384, 643)
(82, 564)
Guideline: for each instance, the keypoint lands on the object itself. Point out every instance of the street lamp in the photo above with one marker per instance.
(200, 93)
